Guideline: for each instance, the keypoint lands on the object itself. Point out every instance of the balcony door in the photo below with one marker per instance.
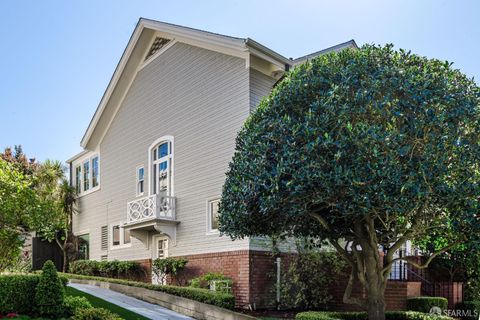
(162, 171)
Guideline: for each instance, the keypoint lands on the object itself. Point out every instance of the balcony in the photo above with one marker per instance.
(155, 213)
(149, 208)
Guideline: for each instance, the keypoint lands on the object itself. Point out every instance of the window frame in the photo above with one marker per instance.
(210, 230)
(150, 175)
(81, 163)
(78, 178)
(137, 180)
(122, 244)
(97, 171)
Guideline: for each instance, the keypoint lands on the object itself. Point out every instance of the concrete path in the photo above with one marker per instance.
(149, 310)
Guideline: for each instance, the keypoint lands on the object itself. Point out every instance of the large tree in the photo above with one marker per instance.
(55, 222)
(18, 203)
(366, 148)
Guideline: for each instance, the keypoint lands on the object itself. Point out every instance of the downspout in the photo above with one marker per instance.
(279, 266)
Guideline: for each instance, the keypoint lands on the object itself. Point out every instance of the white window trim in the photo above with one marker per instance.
(80, 162)
(137, 193)
(211, 231)
(122, 244)
(170, 139)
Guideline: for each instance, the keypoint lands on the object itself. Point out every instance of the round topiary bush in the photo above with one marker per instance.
(50, 292)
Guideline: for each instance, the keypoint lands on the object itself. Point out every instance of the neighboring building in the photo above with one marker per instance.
(157, 149)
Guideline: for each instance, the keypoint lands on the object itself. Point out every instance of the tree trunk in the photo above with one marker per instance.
(65, 260)
(376, 307)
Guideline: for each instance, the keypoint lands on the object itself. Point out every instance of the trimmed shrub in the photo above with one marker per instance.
(17, 292)
(168, 267)
(222, 283)
(109, 269)
(72, 304)
(95, 314)
(389, 315)
(468, 310)
(306, 281)
(220, 299)
(49, 292)
(424, 304)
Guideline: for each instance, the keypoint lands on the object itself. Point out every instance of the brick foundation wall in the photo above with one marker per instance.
(254, 276)
(146, 265)
(396, 295)
(233, 264)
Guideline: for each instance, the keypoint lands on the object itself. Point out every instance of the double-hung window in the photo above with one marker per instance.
(87, 174)
(95, 172)
(212, 215)
(140, 181)
(78, 179)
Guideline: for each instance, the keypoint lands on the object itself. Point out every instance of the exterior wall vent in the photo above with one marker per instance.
(157, 44)
(104, 238)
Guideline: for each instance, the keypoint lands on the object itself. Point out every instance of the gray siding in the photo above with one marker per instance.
(202, 99)
(260, 86)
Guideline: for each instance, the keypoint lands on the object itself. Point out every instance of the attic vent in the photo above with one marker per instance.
(158, 44)
(104, 238)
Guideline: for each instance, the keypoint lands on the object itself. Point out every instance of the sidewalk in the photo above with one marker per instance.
(143, 308)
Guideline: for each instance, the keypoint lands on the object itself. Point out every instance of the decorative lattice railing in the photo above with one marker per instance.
(151, 207)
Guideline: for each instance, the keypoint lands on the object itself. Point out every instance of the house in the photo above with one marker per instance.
(158, 146)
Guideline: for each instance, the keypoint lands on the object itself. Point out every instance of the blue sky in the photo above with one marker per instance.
(57, 57)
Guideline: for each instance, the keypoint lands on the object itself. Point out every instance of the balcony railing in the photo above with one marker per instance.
(150, 208)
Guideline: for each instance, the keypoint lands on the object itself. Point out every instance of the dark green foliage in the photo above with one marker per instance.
(469, 310)
(223, 283)
(306, 282)
(110, 269)
(95, 314)
(424, 304)
(168, 267)
(17, 293)
(372, 147)
(390, 315)
(220, 299)
(72, 304)
(50, 292)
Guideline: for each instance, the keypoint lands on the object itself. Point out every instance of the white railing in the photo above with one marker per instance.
(151, 207)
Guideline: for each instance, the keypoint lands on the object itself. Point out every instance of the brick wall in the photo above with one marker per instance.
(254, 276)
(234, 264)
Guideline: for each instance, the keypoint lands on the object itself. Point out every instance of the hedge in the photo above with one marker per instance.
(17, 292)
(219, 299)
(424, 304)
(110, 269)
(389, 315)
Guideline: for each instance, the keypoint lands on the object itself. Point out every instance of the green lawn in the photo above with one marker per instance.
(99, 303)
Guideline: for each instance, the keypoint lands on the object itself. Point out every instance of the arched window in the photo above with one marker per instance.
(161, 156)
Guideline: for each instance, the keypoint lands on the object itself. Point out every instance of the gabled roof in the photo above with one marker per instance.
(336, 48)
(140, 40)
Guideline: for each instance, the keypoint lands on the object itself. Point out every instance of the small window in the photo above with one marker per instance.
(95, 172)
(78, 179)
(140, 181)
(213, 215)
(126, 236)
(84, 246)
(86, 175)
(116, 235)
